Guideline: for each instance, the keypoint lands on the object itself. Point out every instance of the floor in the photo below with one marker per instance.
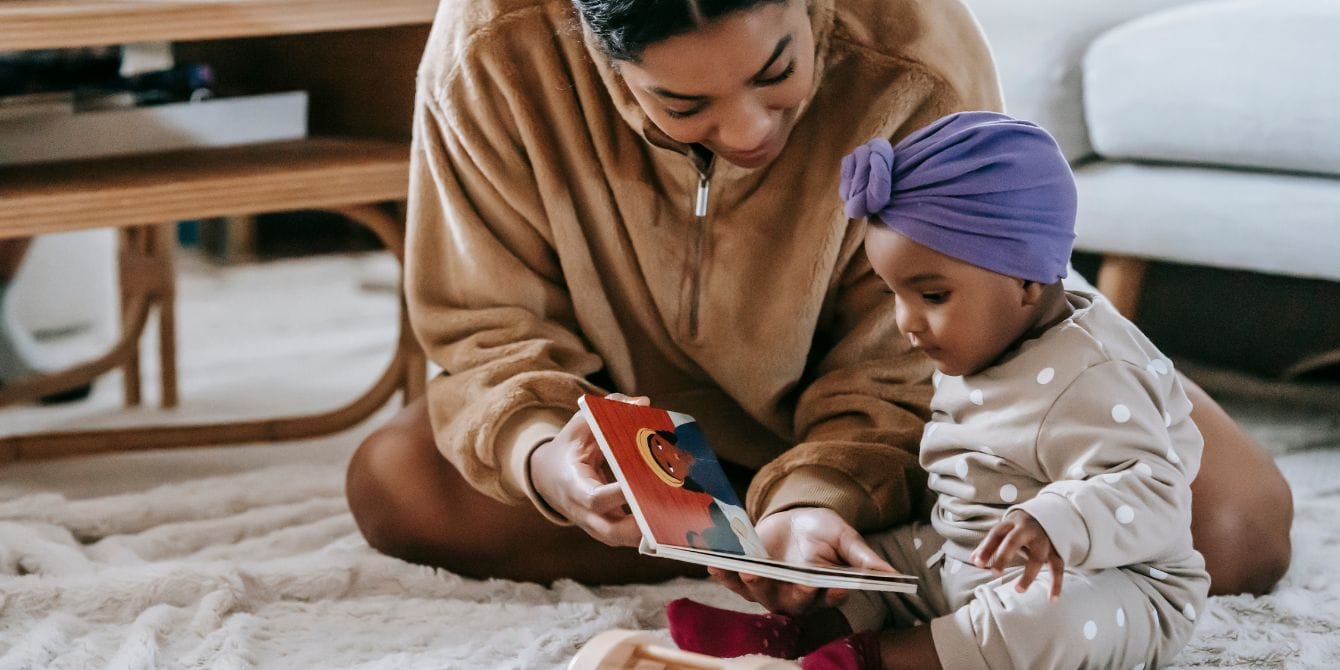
(274, 514)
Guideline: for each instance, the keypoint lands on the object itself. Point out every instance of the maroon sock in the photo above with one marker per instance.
(855, 652)
(726, 634)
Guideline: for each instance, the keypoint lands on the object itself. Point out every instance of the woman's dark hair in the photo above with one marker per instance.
(624, 28)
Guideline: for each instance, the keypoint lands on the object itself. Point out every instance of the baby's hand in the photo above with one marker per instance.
(1020, 533)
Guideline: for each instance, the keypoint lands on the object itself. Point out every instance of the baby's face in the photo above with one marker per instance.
(963, 317)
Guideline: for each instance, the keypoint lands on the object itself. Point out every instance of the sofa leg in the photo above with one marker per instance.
(1120, 278)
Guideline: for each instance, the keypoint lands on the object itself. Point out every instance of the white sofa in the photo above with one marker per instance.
(1202, 132)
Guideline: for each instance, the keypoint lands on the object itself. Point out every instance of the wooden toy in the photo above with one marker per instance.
(640, 650)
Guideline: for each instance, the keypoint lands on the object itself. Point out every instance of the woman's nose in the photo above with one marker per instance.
(747, 127)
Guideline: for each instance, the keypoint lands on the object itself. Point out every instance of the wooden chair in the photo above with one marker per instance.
(363, 180)
(147, 282)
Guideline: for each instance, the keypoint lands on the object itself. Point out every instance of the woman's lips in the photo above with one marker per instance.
(754, 157)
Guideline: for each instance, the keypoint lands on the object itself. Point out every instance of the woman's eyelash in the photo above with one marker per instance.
(786, 74)
(772, 81)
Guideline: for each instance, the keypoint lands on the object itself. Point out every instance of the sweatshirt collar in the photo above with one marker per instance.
(821, 21)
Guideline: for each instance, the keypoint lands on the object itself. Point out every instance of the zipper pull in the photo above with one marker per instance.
(700, 203)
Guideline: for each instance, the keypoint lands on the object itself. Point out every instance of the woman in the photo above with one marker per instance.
(638, 197)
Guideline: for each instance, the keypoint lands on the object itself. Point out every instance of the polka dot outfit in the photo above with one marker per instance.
(1087, 429)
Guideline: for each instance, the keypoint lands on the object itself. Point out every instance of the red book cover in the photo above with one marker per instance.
(677, 484)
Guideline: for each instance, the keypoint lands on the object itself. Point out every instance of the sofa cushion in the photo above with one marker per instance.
(1267, 222)
(1038, 46)
(1251, 83)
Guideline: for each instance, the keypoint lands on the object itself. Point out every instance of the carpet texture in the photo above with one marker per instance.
(265, 569)
(249, 558)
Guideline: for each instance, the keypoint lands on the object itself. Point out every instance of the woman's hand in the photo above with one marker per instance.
(570, 474)
(1018, 533)
(803, 535)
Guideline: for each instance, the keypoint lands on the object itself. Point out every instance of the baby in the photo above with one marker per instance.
(1059, 436)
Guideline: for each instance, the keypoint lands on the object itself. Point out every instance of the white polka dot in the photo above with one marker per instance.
(1158, 366)
(934, 480)
(930, 430)
(1076, 471)
(955, 566)
(1158, 574)
(916, 542)
(1121, 413)
(1189, 611)
(1125, 514)
(1139, 666)
(1167, 419)
(1121, 617)
(961, 468)
(1046, 375)
(1009, 493)
(1144, 469)
(1111, 477)
(1090, 630)
(975, 397)
(1173, 457)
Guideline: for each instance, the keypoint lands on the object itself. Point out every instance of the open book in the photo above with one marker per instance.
(686, 507)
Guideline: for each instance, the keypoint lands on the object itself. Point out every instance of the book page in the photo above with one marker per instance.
(828, 577)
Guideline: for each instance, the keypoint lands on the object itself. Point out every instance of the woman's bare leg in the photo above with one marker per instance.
(411, 503)
(1241, 506)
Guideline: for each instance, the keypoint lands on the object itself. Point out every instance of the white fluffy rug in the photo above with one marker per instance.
(266, 569)
(248, 558)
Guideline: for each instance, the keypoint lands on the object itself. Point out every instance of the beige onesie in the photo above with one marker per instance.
(1087, 429)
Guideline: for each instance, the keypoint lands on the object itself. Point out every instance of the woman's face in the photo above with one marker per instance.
(733, 86)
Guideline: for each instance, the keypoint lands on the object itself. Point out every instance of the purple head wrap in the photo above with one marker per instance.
(982, 187)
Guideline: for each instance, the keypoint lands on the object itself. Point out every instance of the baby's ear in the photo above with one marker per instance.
(1032, 291)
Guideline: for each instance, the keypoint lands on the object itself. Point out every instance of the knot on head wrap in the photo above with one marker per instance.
(982, 187)
(867, 178)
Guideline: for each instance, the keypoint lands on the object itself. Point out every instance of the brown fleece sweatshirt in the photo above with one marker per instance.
(559, 244)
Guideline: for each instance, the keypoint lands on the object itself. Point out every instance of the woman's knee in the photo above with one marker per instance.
(372, 487)
(1271, 523)
(410, 503)
(1242, 508)
(1245, 540)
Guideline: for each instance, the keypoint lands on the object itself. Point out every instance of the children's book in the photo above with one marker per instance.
(685, 506)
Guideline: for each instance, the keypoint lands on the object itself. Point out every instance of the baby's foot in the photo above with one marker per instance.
(726, 634)
(855, 652)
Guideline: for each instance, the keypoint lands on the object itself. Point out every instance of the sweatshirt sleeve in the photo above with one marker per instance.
(1121, 485)
(485, 291)
(859, 421)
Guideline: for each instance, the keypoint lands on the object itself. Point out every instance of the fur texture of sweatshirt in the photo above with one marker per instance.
(554, 250)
